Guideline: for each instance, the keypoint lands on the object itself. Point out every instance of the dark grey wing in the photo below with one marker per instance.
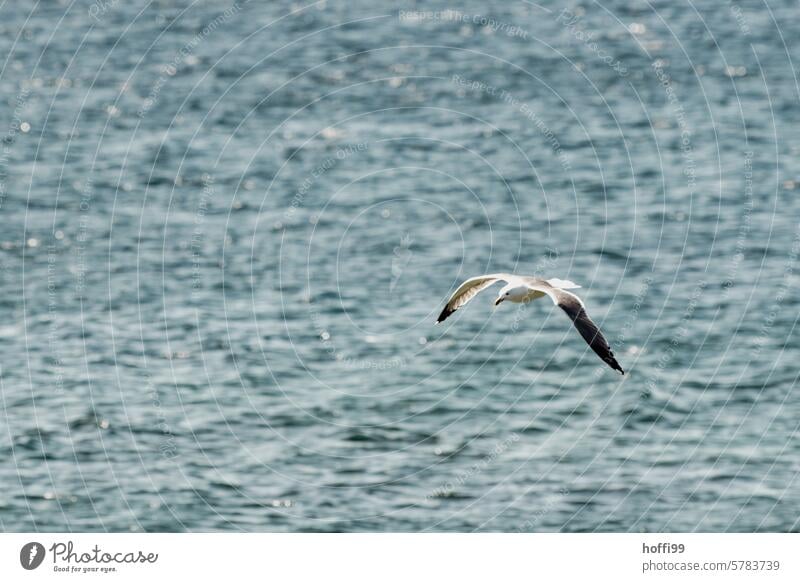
(468, 289)
(591, 333)
(573, 307)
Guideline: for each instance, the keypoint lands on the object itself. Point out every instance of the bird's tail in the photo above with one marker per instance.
(563, 284)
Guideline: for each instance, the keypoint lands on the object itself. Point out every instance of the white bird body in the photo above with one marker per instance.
(521, 289)
(517, 293)
(521, 294)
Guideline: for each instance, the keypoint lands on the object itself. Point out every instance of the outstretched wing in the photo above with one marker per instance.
(469, 289)
(574, 308)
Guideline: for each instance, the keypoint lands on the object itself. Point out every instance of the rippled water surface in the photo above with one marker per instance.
(228, 230)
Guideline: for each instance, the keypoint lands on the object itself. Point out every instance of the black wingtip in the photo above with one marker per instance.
(613, 363)
(444, 315)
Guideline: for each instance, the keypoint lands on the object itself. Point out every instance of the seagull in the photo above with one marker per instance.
(522, 289)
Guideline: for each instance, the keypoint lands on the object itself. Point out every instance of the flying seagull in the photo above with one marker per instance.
(520, 289)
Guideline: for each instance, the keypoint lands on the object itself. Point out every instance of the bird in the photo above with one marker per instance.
(524, 289)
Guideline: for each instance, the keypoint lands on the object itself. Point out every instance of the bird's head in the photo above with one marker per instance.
(515, 294)
(504, 294)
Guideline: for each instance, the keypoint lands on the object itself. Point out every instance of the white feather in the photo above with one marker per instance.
(563, 284)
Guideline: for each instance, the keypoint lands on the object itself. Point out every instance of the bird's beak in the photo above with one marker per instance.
(498, 301)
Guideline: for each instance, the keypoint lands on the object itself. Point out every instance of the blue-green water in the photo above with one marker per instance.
(228, 230)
